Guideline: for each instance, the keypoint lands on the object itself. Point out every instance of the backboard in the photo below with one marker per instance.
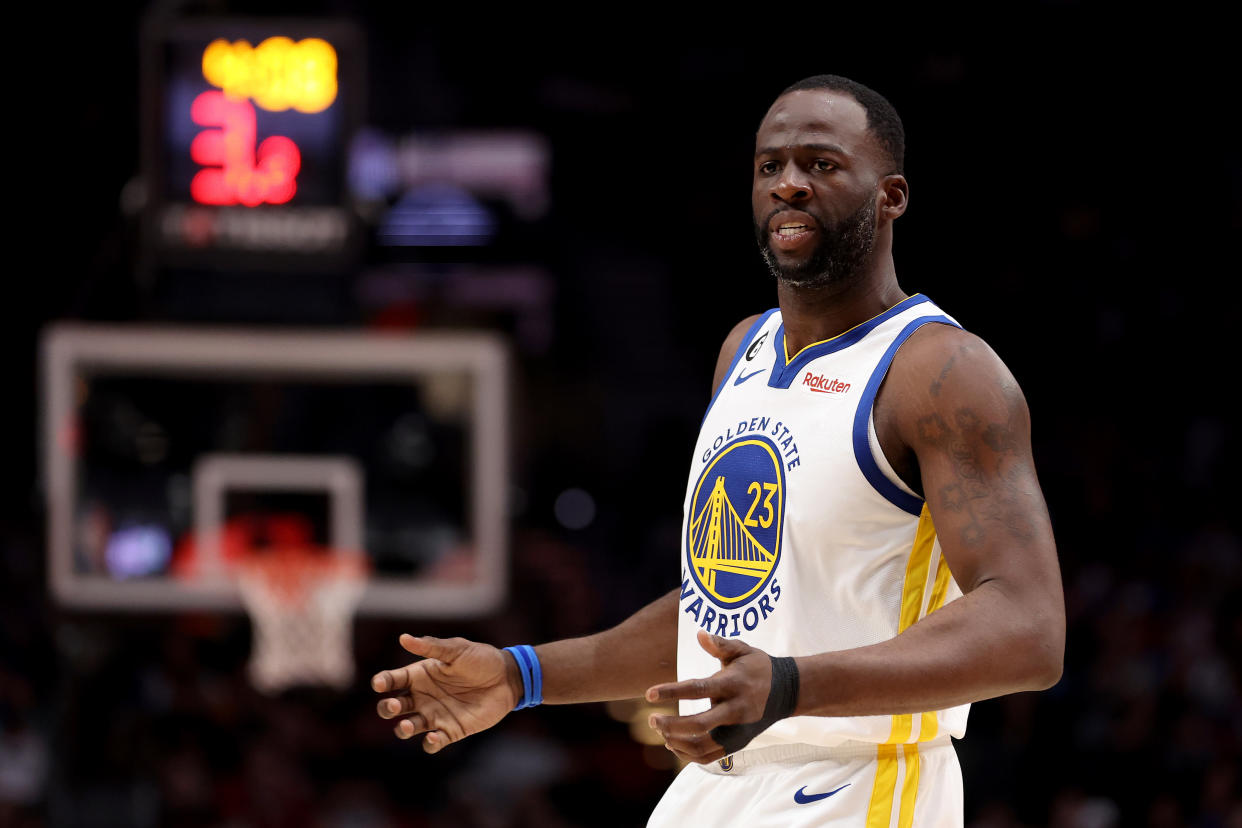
(165, 449)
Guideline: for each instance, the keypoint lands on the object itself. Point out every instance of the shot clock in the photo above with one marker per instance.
(246, 135)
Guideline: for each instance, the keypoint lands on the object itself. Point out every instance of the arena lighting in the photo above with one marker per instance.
(437, 215)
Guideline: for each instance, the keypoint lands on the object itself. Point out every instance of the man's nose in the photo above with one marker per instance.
(792, 187)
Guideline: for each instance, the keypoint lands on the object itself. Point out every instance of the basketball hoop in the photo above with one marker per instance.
(301, 603)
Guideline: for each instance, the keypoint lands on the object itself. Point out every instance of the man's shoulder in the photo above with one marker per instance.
(945, 393)
(943, 370)
(734, 340)
(939, 345)
(730, 347)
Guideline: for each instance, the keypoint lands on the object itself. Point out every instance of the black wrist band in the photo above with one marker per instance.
(782, 699)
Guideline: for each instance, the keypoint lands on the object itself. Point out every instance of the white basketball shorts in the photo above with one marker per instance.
(798, 786)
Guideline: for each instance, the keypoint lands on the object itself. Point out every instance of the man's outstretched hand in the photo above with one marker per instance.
(456, 689)
(738, 693)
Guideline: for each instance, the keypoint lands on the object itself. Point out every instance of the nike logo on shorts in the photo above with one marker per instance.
(806, 798)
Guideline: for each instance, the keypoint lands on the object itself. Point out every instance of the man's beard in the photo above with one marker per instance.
(838, 257)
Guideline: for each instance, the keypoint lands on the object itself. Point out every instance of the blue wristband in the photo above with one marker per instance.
(532, 675)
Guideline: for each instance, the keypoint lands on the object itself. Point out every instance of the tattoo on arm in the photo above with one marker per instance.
(992, 473)
(944, 372)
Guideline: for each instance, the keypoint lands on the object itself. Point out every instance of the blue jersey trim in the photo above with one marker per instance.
(783, 377)
(759, 323)
(862, 445)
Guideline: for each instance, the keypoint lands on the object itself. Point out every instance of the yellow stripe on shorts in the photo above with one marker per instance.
(880, 811)
(909, 786)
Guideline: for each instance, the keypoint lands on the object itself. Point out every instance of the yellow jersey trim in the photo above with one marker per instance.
(941, 587)
(912, 591)
(916, 571)
(785, 342)
(929, 725)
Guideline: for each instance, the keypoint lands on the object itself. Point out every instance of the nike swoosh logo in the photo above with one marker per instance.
(741, 378)
(805, 798)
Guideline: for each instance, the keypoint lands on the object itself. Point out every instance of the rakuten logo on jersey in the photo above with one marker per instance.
(823, 385)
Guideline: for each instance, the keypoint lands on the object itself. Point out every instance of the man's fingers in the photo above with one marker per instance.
(391, 681)
(410, 726)
(690, 689)
(435, 741)
(396, 706)
(700, 757)
(444, 649)
(725, 649)
(688, 737)
(415, 723)
(714, 686)
(674, 727)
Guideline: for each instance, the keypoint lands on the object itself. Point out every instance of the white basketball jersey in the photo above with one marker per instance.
(798, 537)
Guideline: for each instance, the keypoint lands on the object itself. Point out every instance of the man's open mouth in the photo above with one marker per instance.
(790, 230)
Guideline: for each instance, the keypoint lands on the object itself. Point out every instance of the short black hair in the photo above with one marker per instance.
(883, 121)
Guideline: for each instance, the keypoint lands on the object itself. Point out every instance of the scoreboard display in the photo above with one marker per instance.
(246, 143)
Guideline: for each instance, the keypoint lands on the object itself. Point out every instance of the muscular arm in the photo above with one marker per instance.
(620, 663)
(960, 412)
(461, 687)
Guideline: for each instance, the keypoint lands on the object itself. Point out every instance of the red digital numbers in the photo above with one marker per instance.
(234, 171)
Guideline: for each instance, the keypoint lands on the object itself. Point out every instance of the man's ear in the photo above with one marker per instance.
(894, 196)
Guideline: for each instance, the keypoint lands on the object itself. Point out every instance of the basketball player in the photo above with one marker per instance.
(865, 548)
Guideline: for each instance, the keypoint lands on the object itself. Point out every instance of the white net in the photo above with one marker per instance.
(301, 607)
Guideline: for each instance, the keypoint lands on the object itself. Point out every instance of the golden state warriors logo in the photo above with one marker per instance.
(734, 532)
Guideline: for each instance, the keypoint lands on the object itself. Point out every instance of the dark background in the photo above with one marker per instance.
(1076, 193)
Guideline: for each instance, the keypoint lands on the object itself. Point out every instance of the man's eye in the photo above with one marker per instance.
(768, 167)
(822, 165)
